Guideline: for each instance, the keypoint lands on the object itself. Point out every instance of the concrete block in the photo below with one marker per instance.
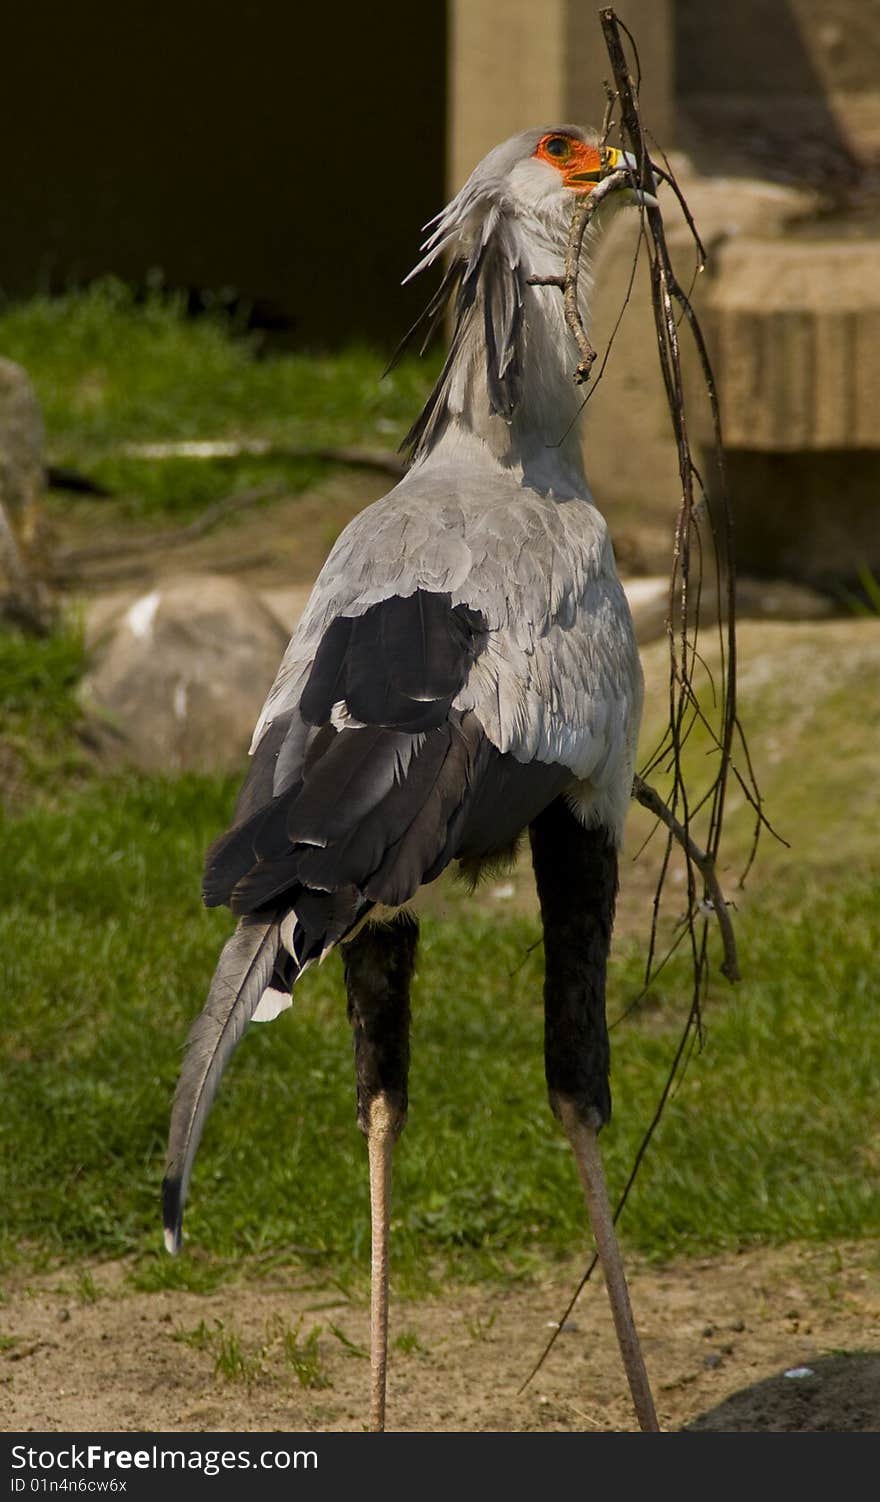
(794, 331)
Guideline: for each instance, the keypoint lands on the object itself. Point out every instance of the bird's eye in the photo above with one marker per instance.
(557, 146)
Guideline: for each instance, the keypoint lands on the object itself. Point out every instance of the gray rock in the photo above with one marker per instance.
(23, 597)
(22, 444)
(180, 673)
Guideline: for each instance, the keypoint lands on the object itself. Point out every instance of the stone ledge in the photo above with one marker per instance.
(794, 332)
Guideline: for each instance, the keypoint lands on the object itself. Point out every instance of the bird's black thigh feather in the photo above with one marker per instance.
(379, 963)
(576, 876)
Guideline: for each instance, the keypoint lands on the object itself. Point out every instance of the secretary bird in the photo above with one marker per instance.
(465, 670)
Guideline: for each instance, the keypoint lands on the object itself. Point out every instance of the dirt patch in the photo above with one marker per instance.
(771, 1339)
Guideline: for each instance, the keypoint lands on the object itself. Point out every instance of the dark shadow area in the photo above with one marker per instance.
(751, 98)
(281, 156)
(840, 1394)
(821, 528)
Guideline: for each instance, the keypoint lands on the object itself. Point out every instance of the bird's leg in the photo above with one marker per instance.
(584, 1139)
(379, 963)
(576, 876)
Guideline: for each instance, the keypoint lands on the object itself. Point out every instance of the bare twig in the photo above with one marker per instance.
(704, 863)
(607, 118)
(585, 207)
(144, 566)
(667, 295)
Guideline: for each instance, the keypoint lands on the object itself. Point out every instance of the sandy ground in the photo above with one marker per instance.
(722, 1338)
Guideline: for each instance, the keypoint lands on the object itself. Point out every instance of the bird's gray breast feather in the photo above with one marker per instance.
(560, 679)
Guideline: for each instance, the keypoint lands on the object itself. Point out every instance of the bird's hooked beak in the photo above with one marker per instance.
(614, 161)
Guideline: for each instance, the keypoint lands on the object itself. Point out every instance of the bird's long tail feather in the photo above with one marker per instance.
(243, 973)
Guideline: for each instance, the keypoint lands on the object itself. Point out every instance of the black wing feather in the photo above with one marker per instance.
(377, 810)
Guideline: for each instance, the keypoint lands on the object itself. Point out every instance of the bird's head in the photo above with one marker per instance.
(529, 184)
(502, 235)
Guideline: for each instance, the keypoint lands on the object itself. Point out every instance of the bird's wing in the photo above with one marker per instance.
(572, 696)
(373, 780)
(559, 681)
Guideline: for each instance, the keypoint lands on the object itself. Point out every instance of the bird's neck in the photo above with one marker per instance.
(539, 442)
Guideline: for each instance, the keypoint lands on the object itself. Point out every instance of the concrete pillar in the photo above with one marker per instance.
(517, 63)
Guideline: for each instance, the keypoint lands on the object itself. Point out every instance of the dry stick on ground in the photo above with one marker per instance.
(67, 562)
(144, 567)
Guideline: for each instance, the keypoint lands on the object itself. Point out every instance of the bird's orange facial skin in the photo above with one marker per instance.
(580, 166)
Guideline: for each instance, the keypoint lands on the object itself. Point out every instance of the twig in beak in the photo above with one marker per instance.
(585, 208)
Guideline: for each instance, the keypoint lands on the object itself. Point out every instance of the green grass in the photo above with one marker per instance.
(408, 1343)
(39, 711)
(105, 954)
(301, 1354)
(867, 603)
(237, 1360)
(38, 679)
(111, 369)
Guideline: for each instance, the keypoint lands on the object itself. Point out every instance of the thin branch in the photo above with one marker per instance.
(146, 567)
(704, 863)
(667, 175)
(585, 207)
